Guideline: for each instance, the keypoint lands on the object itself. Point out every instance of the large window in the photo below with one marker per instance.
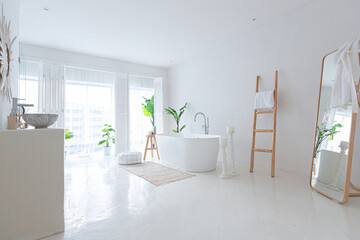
(338, 116)
(140, 125)
(85, 100)
(89, 104)
(29, 83)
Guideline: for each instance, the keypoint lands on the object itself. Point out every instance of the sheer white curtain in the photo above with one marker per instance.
(42, 83)
(159, 105)
(140, 125)
(51, 91)
(89, 104)
(121, 113)
(29, 83)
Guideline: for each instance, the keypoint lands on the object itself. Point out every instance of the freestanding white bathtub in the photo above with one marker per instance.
(193, 153)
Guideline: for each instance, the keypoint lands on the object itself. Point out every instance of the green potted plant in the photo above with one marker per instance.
(148, 110)
(324, 133)
(177, 117)
(108, 138)
(68, 135)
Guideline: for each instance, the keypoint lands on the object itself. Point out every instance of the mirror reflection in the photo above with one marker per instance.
(332, 139)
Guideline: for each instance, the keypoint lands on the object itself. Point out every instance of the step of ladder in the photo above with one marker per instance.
(262, 150)
(261, 112)
(264, 130)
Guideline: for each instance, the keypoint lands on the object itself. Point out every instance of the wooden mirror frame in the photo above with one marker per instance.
(348, 183)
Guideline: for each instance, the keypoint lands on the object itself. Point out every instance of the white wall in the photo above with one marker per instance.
(11, 12)
(91, 61)
(221, 81)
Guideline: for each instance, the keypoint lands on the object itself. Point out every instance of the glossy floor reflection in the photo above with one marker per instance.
(104, 202)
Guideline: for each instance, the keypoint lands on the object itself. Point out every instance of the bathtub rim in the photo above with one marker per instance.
(188, 136)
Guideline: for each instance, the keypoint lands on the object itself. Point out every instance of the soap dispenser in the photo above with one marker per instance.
(12, 122)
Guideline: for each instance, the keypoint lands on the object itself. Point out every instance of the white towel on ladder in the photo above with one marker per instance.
(264, 100)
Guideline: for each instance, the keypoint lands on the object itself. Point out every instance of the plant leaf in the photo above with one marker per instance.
(182, 128)
(171, 112)
(183, 108)
(174, 111)
(146, 112)
(149, 106)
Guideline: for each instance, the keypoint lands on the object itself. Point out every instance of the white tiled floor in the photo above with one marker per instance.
(104, 202)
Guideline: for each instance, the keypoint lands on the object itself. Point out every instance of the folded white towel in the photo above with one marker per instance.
(264, 100)
(348, 72)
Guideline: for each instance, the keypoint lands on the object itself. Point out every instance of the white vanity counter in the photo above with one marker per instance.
(31, 183)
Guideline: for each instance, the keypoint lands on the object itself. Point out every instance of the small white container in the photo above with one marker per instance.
(129, 158)
(107, 151)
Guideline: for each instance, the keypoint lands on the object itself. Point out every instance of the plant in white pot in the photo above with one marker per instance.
(108, 138)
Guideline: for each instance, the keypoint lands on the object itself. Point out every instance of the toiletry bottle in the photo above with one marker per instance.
(12, 122)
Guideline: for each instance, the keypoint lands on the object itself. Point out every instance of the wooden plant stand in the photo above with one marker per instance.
(153, 146)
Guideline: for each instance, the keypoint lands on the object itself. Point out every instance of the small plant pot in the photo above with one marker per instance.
(107, 151)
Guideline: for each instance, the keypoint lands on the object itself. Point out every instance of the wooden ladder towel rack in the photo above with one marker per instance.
(273, 131)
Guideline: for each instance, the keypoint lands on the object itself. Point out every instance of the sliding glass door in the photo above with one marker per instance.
(89, 104)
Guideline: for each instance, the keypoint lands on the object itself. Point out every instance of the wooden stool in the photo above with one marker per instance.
(152, 147)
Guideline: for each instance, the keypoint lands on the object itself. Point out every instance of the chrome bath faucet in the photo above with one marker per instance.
(206, 125)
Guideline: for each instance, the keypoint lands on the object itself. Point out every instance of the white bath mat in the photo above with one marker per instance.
(155, 173)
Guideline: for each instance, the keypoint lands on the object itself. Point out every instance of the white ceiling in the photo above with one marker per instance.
(154, 32)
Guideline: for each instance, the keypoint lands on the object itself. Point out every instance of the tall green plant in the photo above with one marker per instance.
(324, 133)
(107, 135)
(148, 109)
(177, 117)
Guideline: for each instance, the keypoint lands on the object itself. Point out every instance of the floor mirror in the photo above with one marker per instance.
(334, 141)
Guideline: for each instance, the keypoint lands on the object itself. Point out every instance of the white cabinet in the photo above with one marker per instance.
(31, 183)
